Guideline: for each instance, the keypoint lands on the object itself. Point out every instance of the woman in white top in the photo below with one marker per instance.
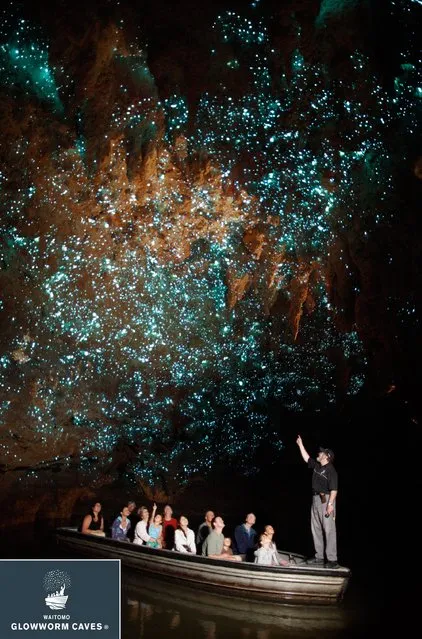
(141, 531)
(184, 537)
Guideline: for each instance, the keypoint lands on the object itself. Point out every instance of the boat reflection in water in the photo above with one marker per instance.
(152, 609)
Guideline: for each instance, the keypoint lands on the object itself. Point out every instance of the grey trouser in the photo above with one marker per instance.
(321, 527)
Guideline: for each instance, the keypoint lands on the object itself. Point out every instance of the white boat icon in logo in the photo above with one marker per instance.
(57, 601)
(55, 584)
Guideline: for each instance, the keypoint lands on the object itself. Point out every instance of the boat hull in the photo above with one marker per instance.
(56, 603)
(298, 583)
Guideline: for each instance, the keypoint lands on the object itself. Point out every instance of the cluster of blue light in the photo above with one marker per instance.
(142, 315)
(24, 64)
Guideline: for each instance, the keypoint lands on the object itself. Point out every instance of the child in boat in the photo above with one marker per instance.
(227, 549)
(266, 555)
(269, 531)
(155, 529)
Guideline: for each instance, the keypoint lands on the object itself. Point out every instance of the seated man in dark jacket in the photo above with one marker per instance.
(245, 537)
(204, 530)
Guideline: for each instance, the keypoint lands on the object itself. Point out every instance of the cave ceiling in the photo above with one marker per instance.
(204, 214)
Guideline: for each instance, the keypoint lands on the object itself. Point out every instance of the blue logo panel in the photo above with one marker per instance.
(60, 599)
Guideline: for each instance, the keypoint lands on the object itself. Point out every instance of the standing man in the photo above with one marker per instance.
(324, 493)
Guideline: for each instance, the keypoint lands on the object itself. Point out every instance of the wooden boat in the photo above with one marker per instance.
(296, 583)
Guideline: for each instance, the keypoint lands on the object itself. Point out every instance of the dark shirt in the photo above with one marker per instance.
(134, 519)
(203, 532)
(324, 478)
(95, 525)
(244, 541)
(169, 528)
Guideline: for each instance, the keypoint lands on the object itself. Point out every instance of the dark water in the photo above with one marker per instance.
(153, 610)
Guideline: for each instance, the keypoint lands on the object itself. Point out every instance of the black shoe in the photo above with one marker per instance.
(332, 564)
(315, 561)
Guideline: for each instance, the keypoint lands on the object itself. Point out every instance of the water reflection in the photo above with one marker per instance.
(152, 609)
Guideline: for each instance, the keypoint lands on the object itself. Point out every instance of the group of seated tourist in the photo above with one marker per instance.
(164, 531)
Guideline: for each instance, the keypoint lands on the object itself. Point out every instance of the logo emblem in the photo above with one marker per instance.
(55, 584)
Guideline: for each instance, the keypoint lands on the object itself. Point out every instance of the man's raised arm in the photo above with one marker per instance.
(302, 449)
